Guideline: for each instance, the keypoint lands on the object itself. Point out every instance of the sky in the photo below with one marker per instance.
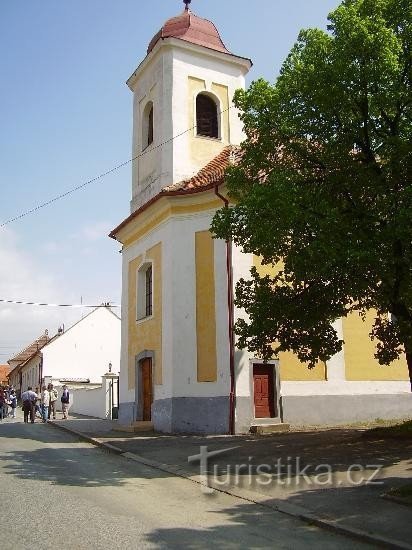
(66, 117)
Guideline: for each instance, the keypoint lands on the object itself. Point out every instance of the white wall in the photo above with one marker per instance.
(88, 401)
(94, 400)
(30, 373)
(86, 349)
(179, 345)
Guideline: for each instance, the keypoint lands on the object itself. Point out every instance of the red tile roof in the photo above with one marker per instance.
(191, 28)
(213, 174)
(4, 371)
(32, 349)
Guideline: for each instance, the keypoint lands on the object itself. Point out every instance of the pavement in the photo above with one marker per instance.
(333, 478)
(59, 490)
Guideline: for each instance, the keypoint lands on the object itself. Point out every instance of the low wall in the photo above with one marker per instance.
(89, 401)
(345, 409)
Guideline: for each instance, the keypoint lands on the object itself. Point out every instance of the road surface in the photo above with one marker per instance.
(58, 492)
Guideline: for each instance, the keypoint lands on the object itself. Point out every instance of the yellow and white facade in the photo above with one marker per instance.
(176, 336)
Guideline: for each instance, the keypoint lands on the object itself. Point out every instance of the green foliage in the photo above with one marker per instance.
(325, 185)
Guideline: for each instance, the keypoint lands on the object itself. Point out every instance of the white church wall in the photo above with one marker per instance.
(153, 169)
(184, 319)
(126, 395)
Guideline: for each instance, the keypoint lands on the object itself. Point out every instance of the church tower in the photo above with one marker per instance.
(182, 104)
(176, 354)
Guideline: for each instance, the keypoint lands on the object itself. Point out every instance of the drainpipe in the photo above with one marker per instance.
(229, 270)
(41, 371)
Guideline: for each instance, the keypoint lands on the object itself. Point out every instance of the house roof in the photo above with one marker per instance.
(212, 175)
(191, 28)
(28, 352)
(4, 372)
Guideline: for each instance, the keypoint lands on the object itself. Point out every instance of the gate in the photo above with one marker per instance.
(114, 397)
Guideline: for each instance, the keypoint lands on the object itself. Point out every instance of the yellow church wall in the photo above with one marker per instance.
(222, 92)
(291, 369)
(205, 307)
(203, 149)
(145, 334)
(359, 351)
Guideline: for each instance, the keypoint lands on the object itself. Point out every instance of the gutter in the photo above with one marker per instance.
(229, 270)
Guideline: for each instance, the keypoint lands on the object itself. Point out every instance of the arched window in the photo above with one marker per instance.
(150, 128)
(144, 291)
(147, 126)
(206, 116)
(149, 291)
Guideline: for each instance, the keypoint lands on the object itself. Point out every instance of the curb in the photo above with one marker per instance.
(297, 512)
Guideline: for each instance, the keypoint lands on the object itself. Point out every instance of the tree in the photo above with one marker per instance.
(324, 187)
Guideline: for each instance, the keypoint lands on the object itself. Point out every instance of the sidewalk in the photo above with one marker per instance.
(319, 476)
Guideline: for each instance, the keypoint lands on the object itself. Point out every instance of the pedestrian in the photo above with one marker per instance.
(6, 401)
(65, 400)
(53, 398)
(2, 403)
(13, 403)
(37, 403)
(45, 402)
(29, 399)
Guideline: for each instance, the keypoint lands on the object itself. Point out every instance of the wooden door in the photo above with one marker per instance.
(147, 389)
(263, 383)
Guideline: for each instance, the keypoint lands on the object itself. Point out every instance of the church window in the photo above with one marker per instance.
(206, 116)
(149, 291)
(148, 132)
(144, 303)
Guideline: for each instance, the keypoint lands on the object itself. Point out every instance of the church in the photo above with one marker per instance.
(180, 368)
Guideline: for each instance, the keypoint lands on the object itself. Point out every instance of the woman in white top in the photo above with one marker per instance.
(45, 402)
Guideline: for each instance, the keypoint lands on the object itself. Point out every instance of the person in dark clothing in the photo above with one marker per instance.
(29, 398)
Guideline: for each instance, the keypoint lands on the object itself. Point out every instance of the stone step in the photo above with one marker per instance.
(135, 427)
(269, 428)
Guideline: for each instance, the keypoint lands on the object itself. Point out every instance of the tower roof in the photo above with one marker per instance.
(191, 28)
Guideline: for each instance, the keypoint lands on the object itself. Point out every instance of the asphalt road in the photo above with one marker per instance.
(58, 492)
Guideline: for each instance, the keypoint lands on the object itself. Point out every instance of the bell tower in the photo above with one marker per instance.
(183, 114)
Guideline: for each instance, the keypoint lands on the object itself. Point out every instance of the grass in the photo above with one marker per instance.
(402, 494)
(401, 430)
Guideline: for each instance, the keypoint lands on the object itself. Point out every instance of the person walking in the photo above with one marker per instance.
(29, 399)
(65, 400)
(45, 402)
(13, 403)
(6, 401)
(53, 398)
(2, 403)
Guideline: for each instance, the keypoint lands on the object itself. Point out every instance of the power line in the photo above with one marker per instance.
(20, 302)
(100, 176)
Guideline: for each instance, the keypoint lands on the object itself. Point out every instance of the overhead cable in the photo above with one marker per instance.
(100, 176)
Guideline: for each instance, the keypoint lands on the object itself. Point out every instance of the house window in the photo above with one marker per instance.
(147, 127)
(149, 291)
(144, 290)
(206, 116)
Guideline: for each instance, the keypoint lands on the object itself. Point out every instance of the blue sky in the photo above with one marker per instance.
(66, 116)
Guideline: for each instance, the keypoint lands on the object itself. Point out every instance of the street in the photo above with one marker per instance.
(58, 491)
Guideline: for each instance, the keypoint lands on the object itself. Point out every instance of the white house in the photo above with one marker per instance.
(80, 357)
(82, 353)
